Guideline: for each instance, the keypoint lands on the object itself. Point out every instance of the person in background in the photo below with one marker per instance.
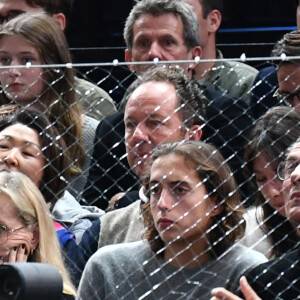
(288, 71)
(149, 33)
(36, 39)
(95, 101)
(265, 88)
(27, 231)
(268, 230)
(279, 278)
(29, 144)
(235, 79)
(181, 116)
(192, 218)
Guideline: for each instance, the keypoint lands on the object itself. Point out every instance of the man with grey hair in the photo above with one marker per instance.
(175, 35)
(161, 29)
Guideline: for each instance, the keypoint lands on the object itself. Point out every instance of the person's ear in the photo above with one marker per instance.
(35, 236)
(194, 133)
(128, 58)
(214, 21)
(196, 52)
(217, 208)
(60, 18)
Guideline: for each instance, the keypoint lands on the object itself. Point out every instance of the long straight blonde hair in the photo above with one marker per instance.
(32, 209)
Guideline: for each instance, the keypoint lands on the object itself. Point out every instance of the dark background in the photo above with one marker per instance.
(248, 26)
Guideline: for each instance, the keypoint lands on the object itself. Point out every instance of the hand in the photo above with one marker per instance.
(248, 292)
(16, 254)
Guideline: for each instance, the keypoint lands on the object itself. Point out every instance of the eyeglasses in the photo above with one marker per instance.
(4, 233)
(11, 15)
(286, 168)
(287, 98)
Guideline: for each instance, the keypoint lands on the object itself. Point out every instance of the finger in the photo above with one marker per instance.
(222, 294)
(247, 290)
(21, 254)
(12, 255)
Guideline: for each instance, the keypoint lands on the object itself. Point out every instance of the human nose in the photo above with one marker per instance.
(154, 51)
(13, 71)
(140, 134)
(165, 200)
(295, 175)
(274, 188)
(12, 157)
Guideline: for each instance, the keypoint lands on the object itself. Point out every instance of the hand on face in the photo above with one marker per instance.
(16, 254)
(17, 247)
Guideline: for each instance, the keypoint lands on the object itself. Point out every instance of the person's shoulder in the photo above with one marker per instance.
(245, 255)
(111, 122)
(280, 264)
(85, 88)
(115, 216)
(242, 68)
(122, 250)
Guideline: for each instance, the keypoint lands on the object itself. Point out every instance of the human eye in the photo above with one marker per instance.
(142, 42)
(4, 145)
(169, 42)
(179, 190)
(5, 60)
(154, 189)
(153, 123)
(129, 125)
(260, 179)
(29, 59)
(290, 166)
(31, 151)
(2, 228)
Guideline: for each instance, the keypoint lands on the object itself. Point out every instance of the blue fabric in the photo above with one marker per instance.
(76, 256)
(64, 234)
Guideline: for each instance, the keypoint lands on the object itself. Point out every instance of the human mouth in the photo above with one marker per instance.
(164, 223)
(14, 86)
(294, 199)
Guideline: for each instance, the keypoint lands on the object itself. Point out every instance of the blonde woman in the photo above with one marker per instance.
(26, 228)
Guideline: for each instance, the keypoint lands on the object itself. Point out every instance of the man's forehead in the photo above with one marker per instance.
(159, 95)
(166, 19)
(294, 152)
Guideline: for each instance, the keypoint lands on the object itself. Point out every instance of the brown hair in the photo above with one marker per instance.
(217, 178)
(45, 35)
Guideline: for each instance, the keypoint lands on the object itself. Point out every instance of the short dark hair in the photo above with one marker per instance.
(209, 5)
(289, 44)
(191, 99)
(180, 8)
(56, 169)
(218, 180)
(52, 7)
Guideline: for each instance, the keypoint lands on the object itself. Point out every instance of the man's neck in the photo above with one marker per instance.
(208, 52)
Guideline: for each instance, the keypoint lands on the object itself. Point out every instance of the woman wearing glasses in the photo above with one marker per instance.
(267, 229)
(26, 227)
